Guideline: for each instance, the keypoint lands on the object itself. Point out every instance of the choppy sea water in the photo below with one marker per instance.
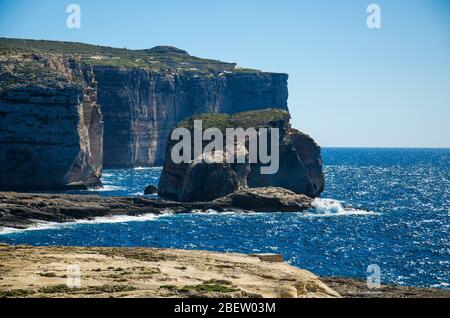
(400, 220)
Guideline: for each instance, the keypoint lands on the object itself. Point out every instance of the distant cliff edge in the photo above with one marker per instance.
(67, 109)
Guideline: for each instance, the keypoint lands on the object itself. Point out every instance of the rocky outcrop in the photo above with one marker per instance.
(354, 288)
(300, 163)
(50, 123)
(268, 199)
(23, 210)
(300, 169)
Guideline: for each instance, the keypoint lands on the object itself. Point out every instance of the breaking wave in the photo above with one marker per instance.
(98, 220)
(331, 207)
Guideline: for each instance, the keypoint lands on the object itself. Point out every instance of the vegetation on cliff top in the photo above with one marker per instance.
(159, 58)
(254, 118)
(25, 70)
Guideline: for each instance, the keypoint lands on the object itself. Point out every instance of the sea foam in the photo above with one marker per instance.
(331, 207)
(97, 220)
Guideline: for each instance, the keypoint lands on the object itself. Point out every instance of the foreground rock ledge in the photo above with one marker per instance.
(27, 271)
(23, 210)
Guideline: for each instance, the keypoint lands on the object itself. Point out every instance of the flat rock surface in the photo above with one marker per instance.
(27, 271)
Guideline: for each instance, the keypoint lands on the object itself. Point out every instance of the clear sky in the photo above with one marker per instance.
(349, 85)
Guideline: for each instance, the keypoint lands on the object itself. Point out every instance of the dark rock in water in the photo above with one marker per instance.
(269, 199)
(206, 182)
(309, 153)
(22, 210)
(150, 189)
(300, 167)
(300, 163)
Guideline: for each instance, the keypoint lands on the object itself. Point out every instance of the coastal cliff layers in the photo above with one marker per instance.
(50, 123)
(54, 133)
(141, 107)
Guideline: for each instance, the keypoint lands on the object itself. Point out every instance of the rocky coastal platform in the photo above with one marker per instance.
(27, 271)
(23, 210)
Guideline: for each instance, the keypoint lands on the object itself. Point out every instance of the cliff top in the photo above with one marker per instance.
(159, 58)
(254, 118)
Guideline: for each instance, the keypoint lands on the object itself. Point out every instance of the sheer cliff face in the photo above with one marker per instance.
(50, 124)
(141, 107)
(53, 133)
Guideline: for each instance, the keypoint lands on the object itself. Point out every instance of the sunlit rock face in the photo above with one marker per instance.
(50, 124)
(141, 107)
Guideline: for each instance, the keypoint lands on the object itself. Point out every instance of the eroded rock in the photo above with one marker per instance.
(300, 162)
(150, 189)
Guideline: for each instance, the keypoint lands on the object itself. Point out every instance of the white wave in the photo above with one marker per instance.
(119, 219)
(214, 212)
(331, 207)
(98, 220)
(441, 285)
(322, 208)
(143, 168)
(108, 188)
(37, 227)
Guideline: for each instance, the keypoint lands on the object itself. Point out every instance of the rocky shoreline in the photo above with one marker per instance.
(27, 271)
(353, 288)
(24, 210)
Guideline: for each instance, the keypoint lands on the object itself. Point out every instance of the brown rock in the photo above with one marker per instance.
(269, 257)
(269, 199)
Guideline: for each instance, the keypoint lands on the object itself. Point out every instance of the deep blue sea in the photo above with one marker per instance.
(405, 230)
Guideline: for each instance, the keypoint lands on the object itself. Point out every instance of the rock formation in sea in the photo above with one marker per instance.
(300, 162)
(55, 96)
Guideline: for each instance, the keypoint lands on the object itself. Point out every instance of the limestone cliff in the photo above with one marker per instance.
(141, 107)
(50, 123)
(143, 94)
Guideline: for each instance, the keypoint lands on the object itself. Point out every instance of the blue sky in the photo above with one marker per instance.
(349, 85)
